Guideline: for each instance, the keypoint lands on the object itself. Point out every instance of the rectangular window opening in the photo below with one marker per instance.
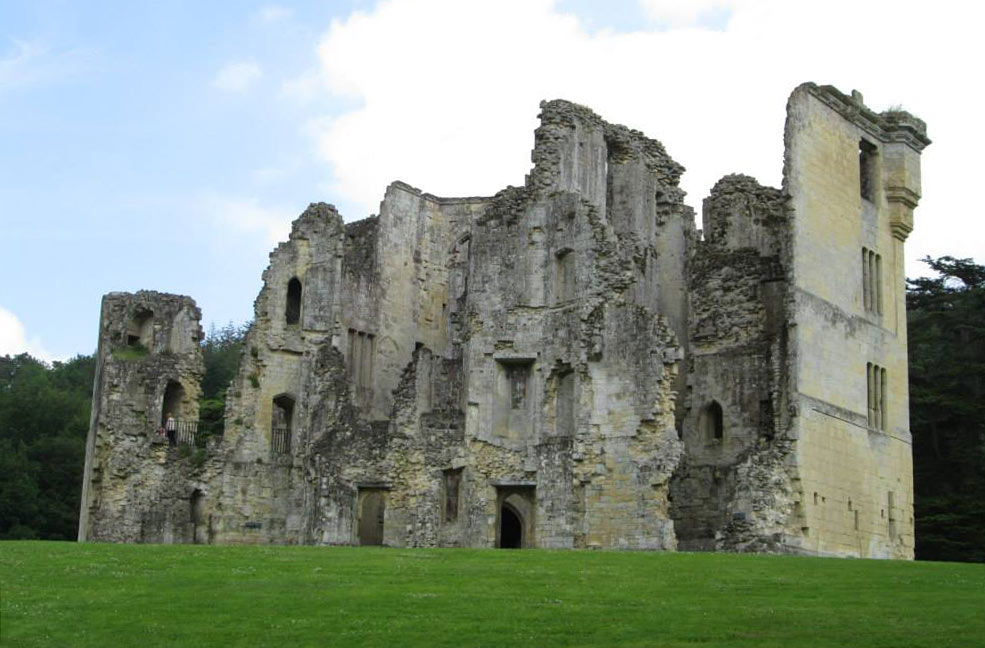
(453, 484)
(871, 281)
(876, 396)
(867, 169)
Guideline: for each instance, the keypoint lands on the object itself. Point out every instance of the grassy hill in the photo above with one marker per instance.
(64, 594)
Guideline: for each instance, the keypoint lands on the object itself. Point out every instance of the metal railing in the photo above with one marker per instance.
(280, 440)
(184, 432)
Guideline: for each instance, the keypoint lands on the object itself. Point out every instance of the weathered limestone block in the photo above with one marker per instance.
(566, 364)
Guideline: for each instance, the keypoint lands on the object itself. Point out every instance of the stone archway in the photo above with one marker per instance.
(515, 517)
(510, 527)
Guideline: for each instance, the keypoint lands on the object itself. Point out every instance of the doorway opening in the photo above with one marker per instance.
(195, 505)
(372, 509)
(510, 528)
(174, 394)
(516, 516)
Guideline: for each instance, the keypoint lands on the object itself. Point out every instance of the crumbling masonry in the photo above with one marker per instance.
(566, 364)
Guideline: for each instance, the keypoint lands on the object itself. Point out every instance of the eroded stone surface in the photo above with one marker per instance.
(564, 364)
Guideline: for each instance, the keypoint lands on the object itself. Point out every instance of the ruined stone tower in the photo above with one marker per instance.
(565, 364)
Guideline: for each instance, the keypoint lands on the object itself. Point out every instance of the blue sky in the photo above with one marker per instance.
(168, 145)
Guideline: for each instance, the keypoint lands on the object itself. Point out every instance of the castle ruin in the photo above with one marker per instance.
(567, 364)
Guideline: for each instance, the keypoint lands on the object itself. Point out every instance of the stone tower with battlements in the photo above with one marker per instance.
(566, 364)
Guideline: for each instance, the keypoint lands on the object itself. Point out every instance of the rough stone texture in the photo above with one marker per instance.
(564, 364)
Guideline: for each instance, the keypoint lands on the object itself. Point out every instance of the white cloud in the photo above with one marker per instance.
(683, 13)
(445, 102)
(248, 215)
(273, 13)
(237, 77)
(33, 63)
(14, 340)
(304, 88)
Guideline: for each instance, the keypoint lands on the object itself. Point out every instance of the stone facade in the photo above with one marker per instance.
(565, 364)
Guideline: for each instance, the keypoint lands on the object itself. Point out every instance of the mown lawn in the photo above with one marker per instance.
(65, 594)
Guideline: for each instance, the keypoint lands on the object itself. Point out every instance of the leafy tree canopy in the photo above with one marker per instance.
(946, 324)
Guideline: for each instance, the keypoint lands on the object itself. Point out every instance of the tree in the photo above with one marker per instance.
(44, 419)
(946, 322)
(222, 350)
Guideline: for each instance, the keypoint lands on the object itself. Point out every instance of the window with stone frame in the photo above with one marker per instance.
(876, 391)
(518, 375)
(867, 152)
(871, 281)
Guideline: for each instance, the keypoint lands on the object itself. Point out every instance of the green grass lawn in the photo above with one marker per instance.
(64, 594)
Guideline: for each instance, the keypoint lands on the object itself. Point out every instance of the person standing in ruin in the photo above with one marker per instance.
(171, 427)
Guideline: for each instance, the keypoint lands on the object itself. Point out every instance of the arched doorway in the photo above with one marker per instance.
(510, 528)
(516, 511)
(281, 419)
(174, 394)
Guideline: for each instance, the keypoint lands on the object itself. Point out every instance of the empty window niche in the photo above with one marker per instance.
(140, 329)
(876, 390)
(281, 419)
(891, 509)
(513, 393)
(452, 487)
(867, 170)
(564, 404)
(362, 352)
(711, 422)
(871, 281)
(565, 275)
(517, 376)
(292, 309)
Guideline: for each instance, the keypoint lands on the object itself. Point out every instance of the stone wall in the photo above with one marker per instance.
(736, 425)
(855, 494)
(566, 364)
(135, 487)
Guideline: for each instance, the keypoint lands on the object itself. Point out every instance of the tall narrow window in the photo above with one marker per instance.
(292, 311)
(453, 484)
(362, 352)
(565, 263)
(871, 281)
(712, 422)
(565, 404)
(876, 388)
(867, 170)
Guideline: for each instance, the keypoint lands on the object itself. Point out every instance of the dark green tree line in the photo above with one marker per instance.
(946, 324)
(44, 418)
(221, 351)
